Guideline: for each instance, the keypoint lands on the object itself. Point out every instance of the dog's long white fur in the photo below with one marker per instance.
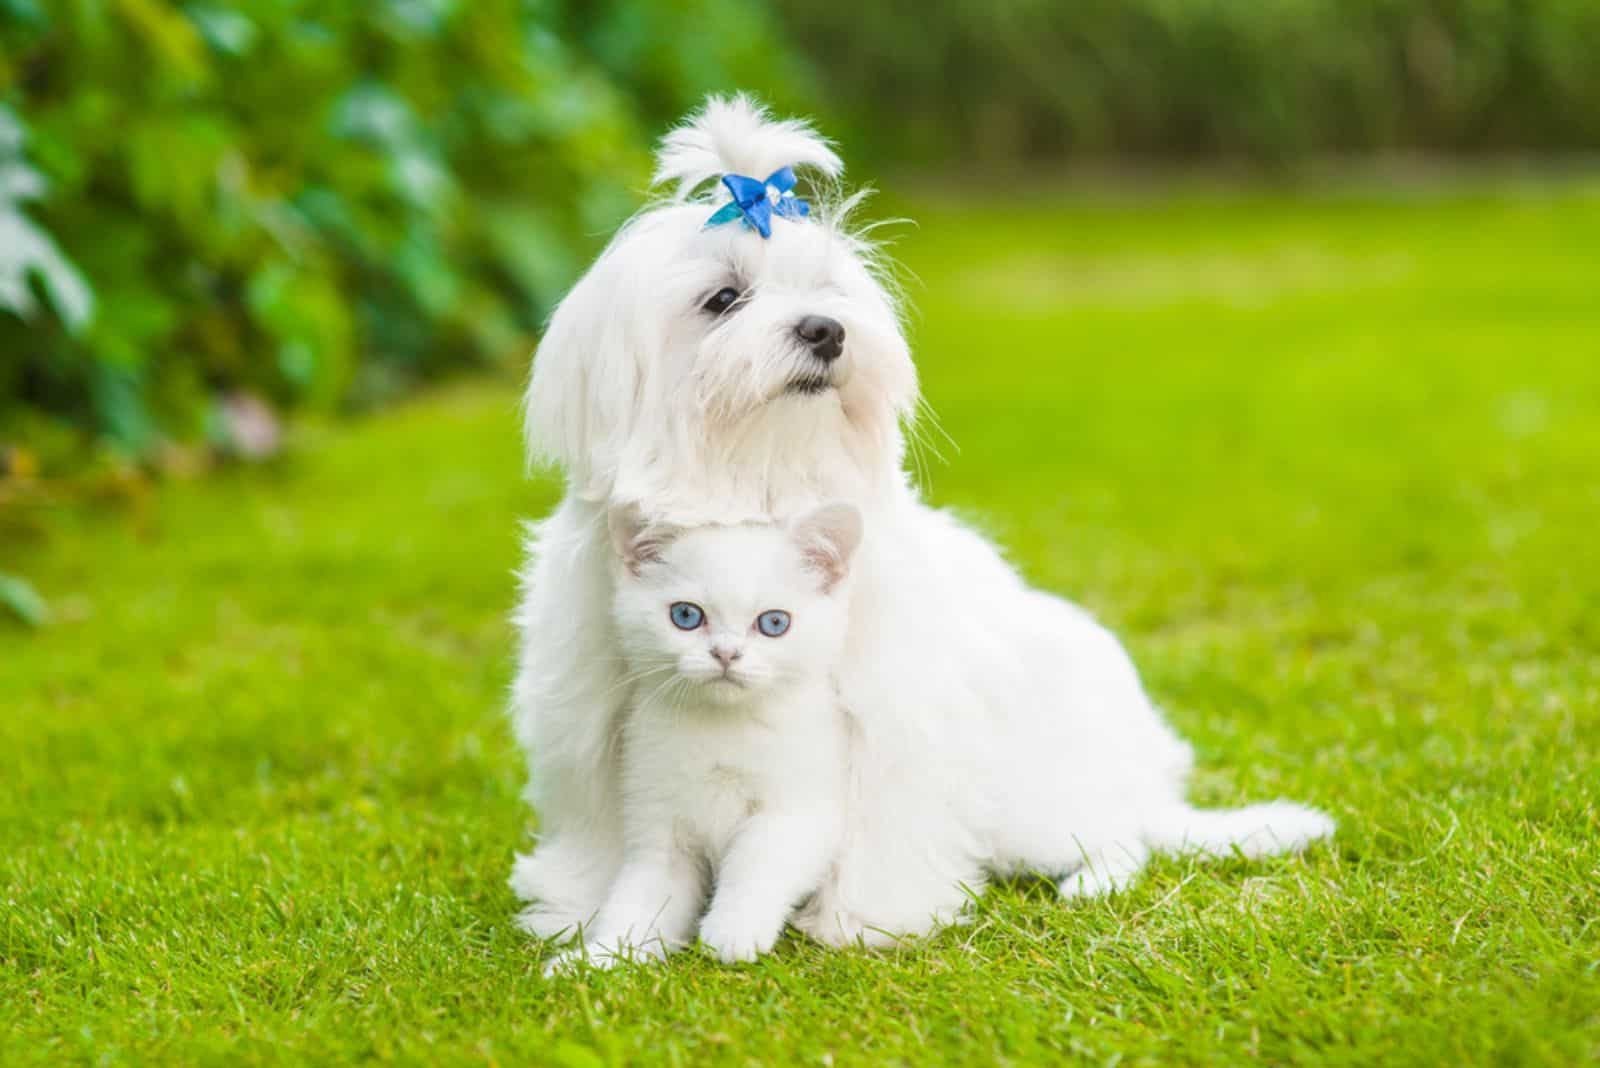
(994, 728)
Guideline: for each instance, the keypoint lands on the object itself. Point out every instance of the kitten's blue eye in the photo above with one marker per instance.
(686, 616)
(773, 623)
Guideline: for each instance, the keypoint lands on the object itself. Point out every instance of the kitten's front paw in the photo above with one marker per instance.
(551, 925)
(571, 961)
(736, 938)
(603, 958)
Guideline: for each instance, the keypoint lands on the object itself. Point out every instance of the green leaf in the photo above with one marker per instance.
(27, 251)
(22, 601)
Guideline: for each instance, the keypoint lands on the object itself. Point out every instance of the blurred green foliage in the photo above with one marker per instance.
(1272, 80)
(324, 203)
(317, 202)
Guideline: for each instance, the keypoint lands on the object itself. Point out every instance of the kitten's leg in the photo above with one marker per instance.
(649, 912)
(773, 862)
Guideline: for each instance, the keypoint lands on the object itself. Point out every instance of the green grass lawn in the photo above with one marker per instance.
(1330, 464)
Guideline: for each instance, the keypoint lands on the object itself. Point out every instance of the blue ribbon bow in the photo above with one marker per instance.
(756, 201)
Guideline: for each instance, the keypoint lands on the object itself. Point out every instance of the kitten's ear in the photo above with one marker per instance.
(636, 540)
(828, 537)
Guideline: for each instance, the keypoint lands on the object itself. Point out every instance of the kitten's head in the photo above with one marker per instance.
(731, 613)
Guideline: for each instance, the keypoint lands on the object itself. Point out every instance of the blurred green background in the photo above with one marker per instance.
(320, 205)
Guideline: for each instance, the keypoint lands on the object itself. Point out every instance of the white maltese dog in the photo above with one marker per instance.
(733, 360)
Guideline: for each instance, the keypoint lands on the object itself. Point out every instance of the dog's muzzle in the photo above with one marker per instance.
(824, 341)
(808, 385)
(822, 335)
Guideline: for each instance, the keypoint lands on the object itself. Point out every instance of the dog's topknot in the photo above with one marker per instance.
(736, 135)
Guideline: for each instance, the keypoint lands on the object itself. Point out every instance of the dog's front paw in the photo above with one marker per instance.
(735, 937)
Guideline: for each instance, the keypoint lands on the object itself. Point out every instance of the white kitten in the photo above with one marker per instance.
(733, 743)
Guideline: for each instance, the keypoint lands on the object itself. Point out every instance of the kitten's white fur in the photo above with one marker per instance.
(993, 728)
(733, 743)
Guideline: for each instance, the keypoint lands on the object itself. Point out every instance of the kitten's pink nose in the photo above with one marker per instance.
(726, 655)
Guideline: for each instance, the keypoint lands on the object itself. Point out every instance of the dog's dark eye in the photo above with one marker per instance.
(721, 300)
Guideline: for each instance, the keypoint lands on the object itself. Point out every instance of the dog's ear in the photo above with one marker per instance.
(635, 538)
(828, 537)
(582, 398)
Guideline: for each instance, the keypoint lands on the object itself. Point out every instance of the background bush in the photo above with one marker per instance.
(322, 203)
(316, 202)
(1270, 79)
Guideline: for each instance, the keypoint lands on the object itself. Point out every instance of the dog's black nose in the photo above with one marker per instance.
(824, 335)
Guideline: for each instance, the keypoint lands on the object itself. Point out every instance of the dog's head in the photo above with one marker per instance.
(707, 356)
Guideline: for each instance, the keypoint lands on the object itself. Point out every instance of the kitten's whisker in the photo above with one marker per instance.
(646, 702)
(636, 676)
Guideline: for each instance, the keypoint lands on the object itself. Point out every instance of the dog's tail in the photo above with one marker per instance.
(1253, 831)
